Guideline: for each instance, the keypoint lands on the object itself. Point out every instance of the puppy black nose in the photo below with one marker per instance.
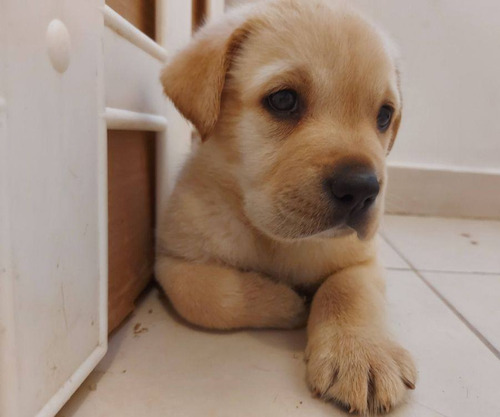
(354, 188)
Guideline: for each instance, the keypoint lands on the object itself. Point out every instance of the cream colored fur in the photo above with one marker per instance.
(247, 223)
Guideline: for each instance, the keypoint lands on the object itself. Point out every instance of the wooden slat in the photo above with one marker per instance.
(131, 202)
(141, 13)
(119, 119)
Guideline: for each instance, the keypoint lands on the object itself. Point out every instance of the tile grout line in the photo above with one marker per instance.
(481, 273)
(441, 271)
(460, 316)
(396, 268)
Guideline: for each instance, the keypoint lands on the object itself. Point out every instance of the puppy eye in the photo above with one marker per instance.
(384, 117)
(283, 102)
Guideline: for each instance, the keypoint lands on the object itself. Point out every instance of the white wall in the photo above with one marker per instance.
(451, 80)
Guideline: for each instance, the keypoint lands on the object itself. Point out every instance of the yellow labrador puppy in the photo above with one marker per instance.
(297, 102)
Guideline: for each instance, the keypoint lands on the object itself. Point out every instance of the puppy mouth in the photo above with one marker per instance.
(297, 216)
(337, 232)
(360, 225)
(362, 230)
(338, 223)
(324, 225)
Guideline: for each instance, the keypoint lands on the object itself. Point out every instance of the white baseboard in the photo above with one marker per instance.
(432, 191)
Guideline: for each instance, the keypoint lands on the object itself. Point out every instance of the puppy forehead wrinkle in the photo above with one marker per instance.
(265, 74)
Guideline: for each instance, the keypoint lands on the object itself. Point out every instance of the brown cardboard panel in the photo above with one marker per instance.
(131, 205)
(141, 13)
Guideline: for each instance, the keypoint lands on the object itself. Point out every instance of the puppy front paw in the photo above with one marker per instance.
(280, 307)
(293, 311)
(364, 375)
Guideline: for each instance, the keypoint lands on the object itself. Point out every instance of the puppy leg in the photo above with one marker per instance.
(351, 358)
(219, 297)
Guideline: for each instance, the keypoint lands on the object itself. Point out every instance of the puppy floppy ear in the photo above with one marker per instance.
(195, 77)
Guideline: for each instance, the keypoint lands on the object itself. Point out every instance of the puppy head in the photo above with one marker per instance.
(306, 94)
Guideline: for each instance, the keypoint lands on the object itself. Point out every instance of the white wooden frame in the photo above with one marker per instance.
(129, 97)
(121, 90)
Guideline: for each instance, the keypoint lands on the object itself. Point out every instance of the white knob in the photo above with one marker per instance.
(58, 45)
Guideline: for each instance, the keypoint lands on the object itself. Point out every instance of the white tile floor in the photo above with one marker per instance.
(444, 306)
